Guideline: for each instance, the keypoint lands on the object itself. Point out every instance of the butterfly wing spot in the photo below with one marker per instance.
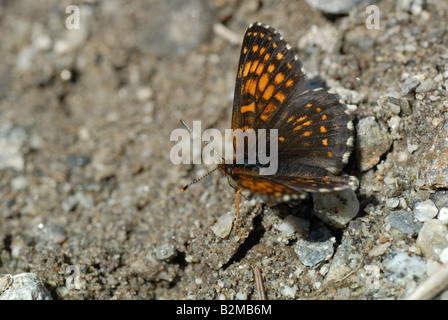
(325, 142)
(323, 129)
(248, 108)
(279, 77)
(307, 133)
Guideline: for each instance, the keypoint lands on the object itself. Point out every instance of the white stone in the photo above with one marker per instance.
(23, 286)
(425, 210)
(443, 215)
(223, 226)
(292, 224)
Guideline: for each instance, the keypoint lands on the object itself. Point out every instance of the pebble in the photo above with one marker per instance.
(52, 232)
(23, 286)
(409, 85)
(373, 140)
(223, 225)
(425, 210)
(400, 267)
(336, 208)
(294, 225)
(433, 239)
(392, 202)
(379, 249)
(425, 86)
(19, 183)
(337, 6)
(316, 247)
(443, 215)
(434, 170)
(404, 221)
(165, 251)
(11, 140)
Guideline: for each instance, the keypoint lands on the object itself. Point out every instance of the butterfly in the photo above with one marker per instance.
(314, 129)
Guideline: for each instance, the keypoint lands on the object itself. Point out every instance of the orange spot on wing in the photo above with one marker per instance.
(268, 92)
(324, 117)
(264, 79)
(281, 139)
(270, 109)
(250, 107)
(279, 56)
(246, 68)
(325, 142)
(266, 56)
(279, 77)
(259, 68)
(329, 154)
(255, 48)
(318, 109)
(280, 96)
(309, 105)
(323, 129)
(307, 133)
(289, 83)
(291, 118)
(271, 68)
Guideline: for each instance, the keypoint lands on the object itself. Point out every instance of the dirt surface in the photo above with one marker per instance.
(86, 178)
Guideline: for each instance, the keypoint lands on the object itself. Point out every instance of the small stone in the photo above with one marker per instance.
(292, 224)
(379, 249)
(52, 232)
(409, 85)
(316, 247)
(23, 286)
(69, 204)
(400, 267)
(433, 239)
(425, 210)
(373, 141)
(443, 215)
(223, 226)
(392, 203)
(404, 221)
(336, 208)
(165, 251)
(425, 86)
(434, 165)
(337, 6)
(19, 183)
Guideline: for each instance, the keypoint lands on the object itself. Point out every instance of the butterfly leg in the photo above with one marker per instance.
(238, 199)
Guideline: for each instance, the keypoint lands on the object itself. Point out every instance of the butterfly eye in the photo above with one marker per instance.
(229, 170)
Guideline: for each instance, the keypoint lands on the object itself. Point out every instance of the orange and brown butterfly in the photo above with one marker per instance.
(315, 131)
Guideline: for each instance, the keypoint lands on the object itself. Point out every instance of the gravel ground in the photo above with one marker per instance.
(86, 180)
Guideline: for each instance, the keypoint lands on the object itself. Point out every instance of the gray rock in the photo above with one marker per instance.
(409, 85)
(373, 141)
(400, 267)
(11, 141)
(425, 86)
(405, 222)
(316, 247)
(433, 239)
(337, 6)
(434, 170)
(24, 286)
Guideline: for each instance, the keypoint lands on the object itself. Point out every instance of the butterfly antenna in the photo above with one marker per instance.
(197, 180)
(198, 136)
